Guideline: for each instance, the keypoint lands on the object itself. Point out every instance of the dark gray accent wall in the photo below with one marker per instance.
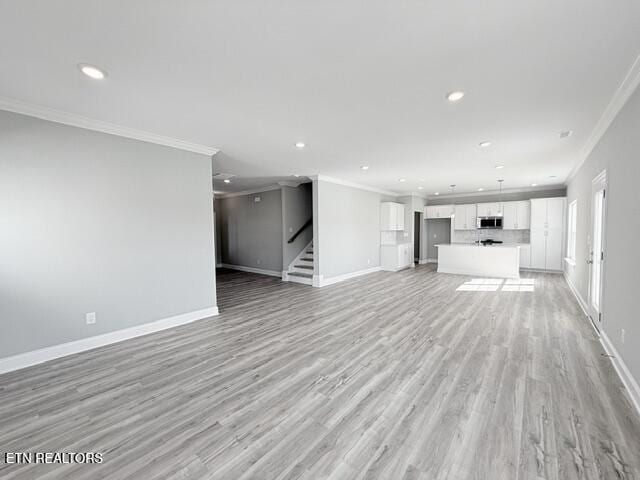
(297, 208)
(91, 222)
(619, 153)
(506, 197)
(250, 230)
(438, 231)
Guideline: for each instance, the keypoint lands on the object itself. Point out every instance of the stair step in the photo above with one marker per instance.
(307, 259)
(310, 252)
(300, 274)
(307, 267)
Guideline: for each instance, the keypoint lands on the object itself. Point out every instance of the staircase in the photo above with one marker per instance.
(301, 269)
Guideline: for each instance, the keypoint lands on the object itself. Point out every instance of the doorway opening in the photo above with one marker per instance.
(417, 229)
(597, 248)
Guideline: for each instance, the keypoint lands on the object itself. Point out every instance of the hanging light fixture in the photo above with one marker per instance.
(500, 180)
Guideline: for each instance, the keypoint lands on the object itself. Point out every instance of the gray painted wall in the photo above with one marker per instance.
(250, 231)
(506, 197)
(438, 231)
(346, 228)
(91, 222)
(618, 152)
(296, 210)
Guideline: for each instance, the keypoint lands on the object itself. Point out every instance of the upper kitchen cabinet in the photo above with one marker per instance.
(489, 209)
(465, 217)
(438, 211)
(391, 216)
(516, 215)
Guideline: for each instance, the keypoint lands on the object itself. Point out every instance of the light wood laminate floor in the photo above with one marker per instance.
(393, 376)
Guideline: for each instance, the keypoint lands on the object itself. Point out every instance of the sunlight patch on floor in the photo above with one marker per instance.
(494, 284)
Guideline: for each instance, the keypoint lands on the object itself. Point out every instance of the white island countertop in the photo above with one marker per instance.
(501, 260)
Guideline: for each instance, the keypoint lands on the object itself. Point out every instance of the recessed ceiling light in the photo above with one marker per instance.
(534, 184)
(485, 144)
(420, 188)
(402, 180)
(92, 71)
(499, 167)
(480, 189)
(566, 133)
(455, 96)
(226, 180)
(300, 145)
(364, 167)
(437, 193)
(295, 175)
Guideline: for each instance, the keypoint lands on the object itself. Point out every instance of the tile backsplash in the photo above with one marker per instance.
(507, 236)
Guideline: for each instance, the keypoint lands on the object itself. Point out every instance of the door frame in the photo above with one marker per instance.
(598, 183)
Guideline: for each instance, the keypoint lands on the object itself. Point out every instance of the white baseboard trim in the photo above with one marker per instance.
(572, 287)
(27, 359)
(261, 271)
(620, 367)
(320, 281)
(432, 260)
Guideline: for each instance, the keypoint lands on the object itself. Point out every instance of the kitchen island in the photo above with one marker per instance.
(500, 261)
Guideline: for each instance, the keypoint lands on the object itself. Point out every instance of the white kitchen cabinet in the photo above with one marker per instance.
(516, 215)
(465, 217)
(438, 211)
(547, 233)
(489, 209)
(525, 256)
(391, 216)
(395, 257)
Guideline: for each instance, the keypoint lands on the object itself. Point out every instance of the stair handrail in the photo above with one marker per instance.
(300, 230)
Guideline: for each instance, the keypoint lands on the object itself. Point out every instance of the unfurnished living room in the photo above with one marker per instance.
(298, 239)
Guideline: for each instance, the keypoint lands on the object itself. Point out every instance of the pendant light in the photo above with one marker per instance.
(500, 180)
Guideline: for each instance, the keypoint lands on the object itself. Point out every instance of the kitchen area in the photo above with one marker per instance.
(497, 239)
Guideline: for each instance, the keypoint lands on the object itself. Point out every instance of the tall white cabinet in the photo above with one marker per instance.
(547, 233)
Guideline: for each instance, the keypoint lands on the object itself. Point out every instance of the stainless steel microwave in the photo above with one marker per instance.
(489, 222)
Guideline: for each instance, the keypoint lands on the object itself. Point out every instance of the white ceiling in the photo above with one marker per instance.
(361, 82)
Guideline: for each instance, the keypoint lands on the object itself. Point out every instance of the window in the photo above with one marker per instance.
(571, 231)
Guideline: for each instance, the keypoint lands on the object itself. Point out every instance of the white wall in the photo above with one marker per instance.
(346, 228)
(619, 152)
(91, 222)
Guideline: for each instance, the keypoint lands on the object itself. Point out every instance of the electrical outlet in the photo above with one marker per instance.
(290, 229)
(368, 261)
(258, 262)
(256, 199)
(622, 335)
(91, 318)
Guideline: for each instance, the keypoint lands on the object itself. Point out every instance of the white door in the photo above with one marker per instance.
(596, 254)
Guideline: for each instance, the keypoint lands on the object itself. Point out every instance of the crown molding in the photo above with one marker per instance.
(248, 192)
(347, 183)
(290, 184)
(619, 99)
(75, 120)
(541, 188)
